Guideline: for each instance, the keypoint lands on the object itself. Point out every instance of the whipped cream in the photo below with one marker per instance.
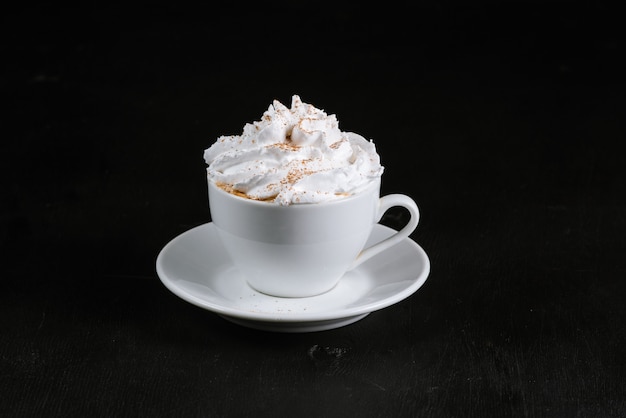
(291, 156)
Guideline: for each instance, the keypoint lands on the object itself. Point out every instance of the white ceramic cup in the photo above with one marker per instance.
(303, 250)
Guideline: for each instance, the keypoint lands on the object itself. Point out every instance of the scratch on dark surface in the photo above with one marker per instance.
(43, 319)
(377, 385)
(518, 370)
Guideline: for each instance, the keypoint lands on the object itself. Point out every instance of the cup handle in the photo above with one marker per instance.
(386, 203)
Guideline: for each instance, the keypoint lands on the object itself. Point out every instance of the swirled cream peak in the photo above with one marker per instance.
(293, 155)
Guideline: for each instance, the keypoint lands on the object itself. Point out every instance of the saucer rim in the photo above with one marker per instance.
(297, 319)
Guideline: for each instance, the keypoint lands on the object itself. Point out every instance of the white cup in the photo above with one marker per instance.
(303, 250)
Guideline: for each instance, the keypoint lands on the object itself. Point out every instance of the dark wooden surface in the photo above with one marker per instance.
(503, 121)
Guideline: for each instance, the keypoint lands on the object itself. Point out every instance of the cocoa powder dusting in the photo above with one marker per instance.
(230, 189)
(284, 146)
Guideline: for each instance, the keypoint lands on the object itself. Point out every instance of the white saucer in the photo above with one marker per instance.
(195, 267)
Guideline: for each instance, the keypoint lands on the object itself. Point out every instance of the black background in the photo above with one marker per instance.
(502, 120)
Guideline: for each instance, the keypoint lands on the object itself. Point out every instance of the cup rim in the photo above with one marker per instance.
(375, 183)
